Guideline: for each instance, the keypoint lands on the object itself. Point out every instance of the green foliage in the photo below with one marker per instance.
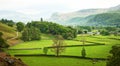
(8, 22)
(104, 32)
(98, 51)
(88, 28)
(83, 52)
(20, 26)
(45, 50)
(55, 29)
(3, 44)
(58, 42)
(41, 19)
(114, 60)
(106, 19)
(31, 33)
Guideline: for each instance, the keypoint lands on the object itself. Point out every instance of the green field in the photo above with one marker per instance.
(53, 61)
(98, 51)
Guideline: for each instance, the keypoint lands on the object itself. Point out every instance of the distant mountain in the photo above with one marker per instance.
(105, 19)
(12, 15)
(57, 17)
(89, 17)
(18, 16)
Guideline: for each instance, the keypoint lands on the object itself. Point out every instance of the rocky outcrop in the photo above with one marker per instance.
(7, 60)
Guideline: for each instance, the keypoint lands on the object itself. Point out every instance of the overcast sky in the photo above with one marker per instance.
(47, 7)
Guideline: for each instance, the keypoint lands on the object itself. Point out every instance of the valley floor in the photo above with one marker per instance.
(99, 47)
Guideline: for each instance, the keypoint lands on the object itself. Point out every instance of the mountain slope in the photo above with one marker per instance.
(65, 17)
(89, 17)
(105, 19)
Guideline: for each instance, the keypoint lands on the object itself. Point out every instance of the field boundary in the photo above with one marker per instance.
(61, 56)
(79, 45)
(26, 49)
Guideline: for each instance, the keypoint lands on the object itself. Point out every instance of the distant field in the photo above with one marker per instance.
(98, 51)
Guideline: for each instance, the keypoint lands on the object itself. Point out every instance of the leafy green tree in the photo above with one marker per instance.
(35, 33)
(31, 33)
(54, 29)
(83, 52)
(7, 22)
(114, 60)
(58, 45)
(41, 19)
(3, 44)
(105, 32)
(20, 26)
(45, 50)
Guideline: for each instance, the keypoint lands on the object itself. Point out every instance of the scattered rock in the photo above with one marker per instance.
(7, 60)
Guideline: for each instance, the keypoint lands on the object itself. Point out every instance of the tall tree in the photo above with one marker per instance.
(20, 26)
(3, 44)
(41, 19)
(83, 51)
(31, 33)
(58, 45)
(114, 60)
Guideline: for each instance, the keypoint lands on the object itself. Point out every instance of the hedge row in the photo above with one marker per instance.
(62, 56)
(26, 49)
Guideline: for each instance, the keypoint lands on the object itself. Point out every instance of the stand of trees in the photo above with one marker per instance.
(8, 22)
(3, 44)
(114, 60)
(31, 31)
(54, 29)
(30, 34)
(20, 26)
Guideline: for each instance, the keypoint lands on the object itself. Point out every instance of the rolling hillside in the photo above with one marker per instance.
(8, 34)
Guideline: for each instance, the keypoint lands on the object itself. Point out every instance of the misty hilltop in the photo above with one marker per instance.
(90, 17)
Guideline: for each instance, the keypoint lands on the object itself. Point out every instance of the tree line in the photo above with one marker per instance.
(32, 30)
(104, 30)
(10, 23)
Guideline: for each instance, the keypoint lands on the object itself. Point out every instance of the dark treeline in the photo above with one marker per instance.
(54, 29)
(67, 32)
(8, 22)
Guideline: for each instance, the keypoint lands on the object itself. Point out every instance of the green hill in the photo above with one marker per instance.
(8, 34)
(105, 19)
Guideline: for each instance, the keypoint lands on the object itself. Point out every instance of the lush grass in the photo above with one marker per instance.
(100, 51)
(43, 43)
(92, 51)
(34, 44)
(101, 39)
(54, 61)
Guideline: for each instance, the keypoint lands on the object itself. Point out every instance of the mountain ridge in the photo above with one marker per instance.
(82, 16)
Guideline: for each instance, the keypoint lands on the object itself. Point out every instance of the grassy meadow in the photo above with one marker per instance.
(97, 51)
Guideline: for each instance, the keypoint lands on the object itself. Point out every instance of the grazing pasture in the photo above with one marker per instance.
(92, 51)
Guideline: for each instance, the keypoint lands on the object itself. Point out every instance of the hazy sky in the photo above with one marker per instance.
(47, 7)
